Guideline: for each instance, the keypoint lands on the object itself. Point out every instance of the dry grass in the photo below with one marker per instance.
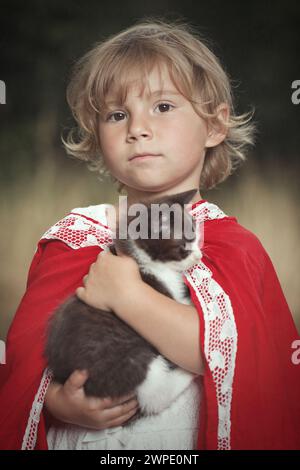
(30, 205)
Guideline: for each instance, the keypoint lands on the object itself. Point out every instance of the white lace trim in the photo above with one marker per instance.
(207, 211)
(96, 212)
(220, 342)
(78, 231)
(30, 436)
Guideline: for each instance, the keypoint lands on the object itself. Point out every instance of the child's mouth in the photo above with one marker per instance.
(143, 157)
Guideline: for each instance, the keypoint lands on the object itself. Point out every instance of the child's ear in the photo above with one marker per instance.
(218, 130)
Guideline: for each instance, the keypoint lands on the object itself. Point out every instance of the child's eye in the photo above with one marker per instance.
(118, 113)
(163, 106)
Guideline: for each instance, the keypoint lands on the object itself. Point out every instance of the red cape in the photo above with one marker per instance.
(264, 389)
(246, 333)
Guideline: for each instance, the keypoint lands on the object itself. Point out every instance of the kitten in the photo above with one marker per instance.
(120, 361)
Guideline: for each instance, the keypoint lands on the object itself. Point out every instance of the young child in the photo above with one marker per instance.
(156, 89)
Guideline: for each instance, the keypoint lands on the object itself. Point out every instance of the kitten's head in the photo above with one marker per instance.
(161, 230)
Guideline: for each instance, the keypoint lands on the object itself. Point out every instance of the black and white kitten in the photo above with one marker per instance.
(119, 361)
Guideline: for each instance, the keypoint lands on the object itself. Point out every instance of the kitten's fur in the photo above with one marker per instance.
(120, 361)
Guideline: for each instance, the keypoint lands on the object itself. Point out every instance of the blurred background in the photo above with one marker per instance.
(258, 43)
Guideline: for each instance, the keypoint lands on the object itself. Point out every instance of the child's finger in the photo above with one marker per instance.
(76, 380)
(121, 400)
(120, 420)
(128, 397)
(121, 410)
(80, 292)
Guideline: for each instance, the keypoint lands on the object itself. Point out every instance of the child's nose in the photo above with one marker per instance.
(139, 127)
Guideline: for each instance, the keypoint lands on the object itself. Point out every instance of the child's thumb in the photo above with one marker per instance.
(76, 380)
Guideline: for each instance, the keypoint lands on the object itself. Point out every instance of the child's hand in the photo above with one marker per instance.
(108, 278)
(68, 403)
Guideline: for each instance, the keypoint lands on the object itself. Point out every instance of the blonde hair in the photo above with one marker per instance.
(194, 70)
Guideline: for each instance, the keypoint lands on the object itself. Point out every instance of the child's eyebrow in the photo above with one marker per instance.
(162, 92)
(154, 93)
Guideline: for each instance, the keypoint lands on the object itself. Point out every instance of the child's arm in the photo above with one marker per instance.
(173, 328)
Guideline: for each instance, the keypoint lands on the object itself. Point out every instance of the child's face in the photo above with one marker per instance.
(166, 125)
